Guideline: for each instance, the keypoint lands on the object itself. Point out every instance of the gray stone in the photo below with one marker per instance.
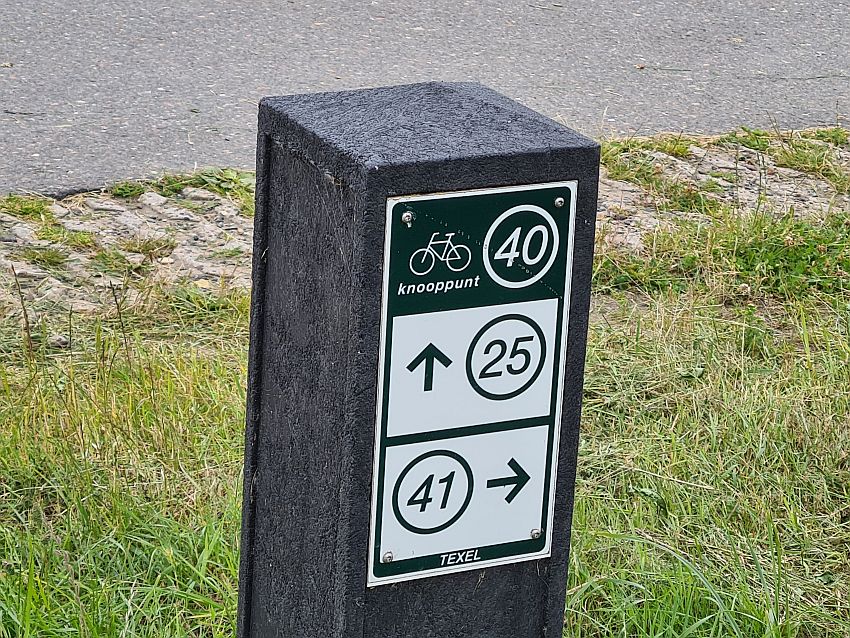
(58, 210)
(24, 232)
(153, 199)
(58, 341)
(104, 205)
(177, 214)
(198, 194)
(135, 259)
(23, 271)
(128, 220)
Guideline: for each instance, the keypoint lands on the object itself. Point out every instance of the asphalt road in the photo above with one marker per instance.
(95, 91)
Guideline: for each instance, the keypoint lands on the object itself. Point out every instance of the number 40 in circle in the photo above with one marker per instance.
(520, 246)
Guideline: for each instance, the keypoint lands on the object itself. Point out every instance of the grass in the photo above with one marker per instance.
(753, 139)
(236, 185)
(811, 151)
(714, 476)
(632, 160)
(783, 257)
(37, 209)
(815, 158)
(836, 135)
(26, 207)
(712, 495)
(713, 487)
(50, 258)
(119, 467)
(150, 247)
(58, 234)
(727, 176)
(112, 261)
(228, 253)
(128, 190)
(673, 145)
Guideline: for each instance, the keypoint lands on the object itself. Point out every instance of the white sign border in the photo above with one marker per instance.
(371, 579)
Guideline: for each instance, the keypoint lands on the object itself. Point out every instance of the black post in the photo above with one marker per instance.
(422, 265)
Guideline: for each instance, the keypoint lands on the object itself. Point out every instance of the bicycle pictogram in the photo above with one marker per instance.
(455, 256)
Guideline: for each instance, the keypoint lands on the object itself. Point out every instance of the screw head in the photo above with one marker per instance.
(387, 558)
(407, 217)
(536, 533)
(559, 201)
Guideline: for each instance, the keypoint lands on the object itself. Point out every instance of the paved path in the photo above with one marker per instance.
(98, 90)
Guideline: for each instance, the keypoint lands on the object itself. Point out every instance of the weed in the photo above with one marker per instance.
(150, 247)
(47, 257)
(128, 190)
(634, 164)
(632, 161)
(77, 239)
(756, 337)
(623, 165)
(754, 139)
(228, 253)
(782, 257)
(710, 186)
(809, 151)
(726, 176)
(115, 262)
(25, 207)
(673, 145)
(37, 209)
(236, 185)
(814, 158)
(836, 135)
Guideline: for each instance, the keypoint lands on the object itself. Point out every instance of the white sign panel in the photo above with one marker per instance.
(473, 333)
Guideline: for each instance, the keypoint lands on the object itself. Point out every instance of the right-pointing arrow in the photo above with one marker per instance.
(518, 480)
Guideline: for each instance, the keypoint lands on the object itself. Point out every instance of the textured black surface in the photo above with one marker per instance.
(326, 164)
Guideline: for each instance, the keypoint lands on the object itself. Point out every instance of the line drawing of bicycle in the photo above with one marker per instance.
(455, 256)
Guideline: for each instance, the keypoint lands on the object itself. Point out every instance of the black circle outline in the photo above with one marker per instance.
(502, 397)
(422, 530)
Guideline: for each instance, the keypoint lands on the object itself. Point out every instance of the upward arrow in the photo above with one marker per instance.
(518, 480)
(429, 354)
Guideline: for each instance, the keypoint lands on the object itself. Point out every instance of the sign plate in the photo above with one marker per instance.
(470, 379)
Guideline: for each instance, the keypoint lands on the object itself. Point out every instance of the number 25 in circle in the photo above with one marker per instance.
(506, 357)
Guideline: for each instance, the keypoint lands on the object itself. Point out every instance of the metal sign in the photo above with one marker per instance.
(470, 379)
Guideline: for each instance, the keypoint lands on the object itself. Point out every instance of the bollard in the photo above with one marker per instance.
(421, 283)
